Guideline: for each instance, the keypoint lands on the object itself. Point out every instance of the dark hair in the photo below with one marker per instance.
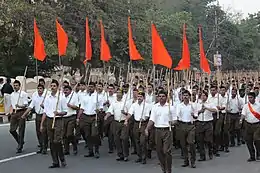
(55, 82)
(92, 83)
(120, 90)
(111, 85)
(162, 92)
(186, 92)
(17, 82)
(205, 92)
(1, 80)
(67, 87)
(8, 80)
(40, 86)
(213, 86)
(100, 84)
(151, 85)
(135, 89)
(82, 83)
(66, 82)
(251, 94)
(42, 80)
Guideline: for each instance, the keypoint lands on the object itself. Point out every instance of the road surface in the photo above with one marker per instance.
(29, 161)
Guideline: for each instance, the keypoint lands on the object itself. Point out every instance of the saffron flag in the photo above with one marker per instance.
(184, 63)
(62, 39)
(204, 64)
(159, 53)
(133, 52)
(88, 50)
(39, 51)
(105, 54)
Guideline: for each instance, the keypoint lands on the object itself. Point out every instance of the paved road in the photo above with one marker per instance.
(234, 162)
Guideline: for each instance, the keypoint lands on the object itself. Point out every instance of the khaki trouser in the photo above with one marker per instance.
(131, 133)
(16, 122)
(163, 138)
(90, 126)
(108, 130)
(252, 137)
(55, 137)
(187, 139)
(68, 130)
(121, 136)
(235, 128)
(204, 133)
(141, 140)
(41, 136)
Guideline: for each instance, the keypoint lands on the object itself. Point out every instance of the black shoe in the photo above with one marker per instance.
(39, 151)
(193, 165)
(63, 164)
(258, 158)
(202, 159)
(96, 155)
(110, 151)
(144, 161)
(66, 153)
(19, 151)
(186, 164)
(210, 156)
(221, 149)
(243, 142)
(238, 143)
(89, 155)
(119, 159)
(75, 152)
(54, 166)
(126, 159)
(44, 151)
(138, 160)
(251, 160)
(217, 154)
(226, 150)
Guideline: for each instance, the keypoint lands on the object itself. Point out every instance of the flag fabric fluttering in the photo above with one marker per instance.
(184, 63)
(39, 50)
(160, 54)
(62, 39)
(105, 54)
(204, 64)
(133, 52)
(88, 54)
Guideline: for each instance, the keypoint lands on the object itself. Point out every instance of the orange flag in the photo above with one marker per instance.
(105, 54)
(133, 52)
(62, 39)
(204, 65)
(185, 60)
(88, 50)
(39, 51)
(159, 53)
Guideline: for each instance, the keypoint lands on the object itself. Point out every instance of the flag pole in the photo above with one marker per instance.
(36, 69)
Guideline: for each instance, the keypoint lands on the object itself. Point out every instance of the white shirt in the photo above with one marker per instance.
(89, 103)
(249, 117)
(184, 112)
(73, 100)
(149, 98)
(115, 109)
(137, 109)
(207, 115)
(235, 105)
(50, 104)
(37, 100)
(23, 100)
(162, 115)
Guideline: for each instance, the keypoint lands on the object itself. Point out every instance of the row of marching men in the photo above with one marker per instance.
(209, 119)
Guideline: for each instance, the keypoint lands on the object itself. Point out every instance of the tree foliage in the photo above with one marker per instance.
(238, 42)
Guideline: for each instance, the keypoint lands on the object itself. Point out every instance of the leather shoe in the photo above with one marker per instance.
(54, 166)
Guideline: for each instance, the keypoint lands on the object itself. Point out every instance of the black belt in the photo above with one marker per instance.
(188, 123)
(233, 113)
(253, 123)
(122, 121)
(39, 114)
(205, 121)
(146, 121)
(18, 110)
(162, 128)
(92, 115)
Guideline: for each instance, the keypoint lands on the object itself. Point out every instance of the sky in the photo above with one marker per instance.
(244, 6)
